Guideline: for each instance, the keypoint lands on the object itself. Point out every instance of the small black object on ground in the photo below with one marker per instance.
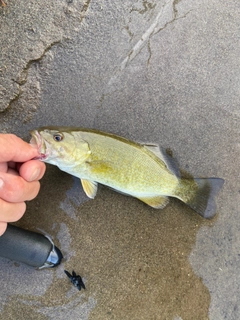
(75, 279)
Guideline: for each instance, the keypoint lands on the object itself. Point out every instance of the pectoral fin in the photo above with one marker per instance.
(90, 188)
(157, 202)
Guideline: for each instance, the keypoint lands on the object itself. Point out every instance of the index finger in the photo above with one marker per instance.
(13, 148)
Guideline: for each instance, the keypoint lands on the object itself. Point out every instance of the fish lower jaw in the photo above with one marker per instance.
(42, 157)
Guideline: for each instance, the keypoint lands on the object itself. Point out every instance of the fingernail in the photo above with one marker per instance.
(1, 183)
(35, 174)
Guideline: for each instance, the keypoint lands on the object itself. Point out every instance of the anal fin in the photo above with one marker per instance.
(157, 202)
(89, 187)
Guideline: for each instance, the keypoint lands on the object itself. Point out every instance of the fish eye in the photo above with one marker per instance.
(58, 137)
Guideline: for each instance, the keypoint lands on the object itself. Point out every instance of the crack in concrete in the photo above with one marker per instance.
(150, 52)
(157, 25)
(131, 34)
(84, 10)
(22, 78)
(146, 37)
(153, 29)
(147, 6)
(175, 2)
(30, 62)
(175, 12)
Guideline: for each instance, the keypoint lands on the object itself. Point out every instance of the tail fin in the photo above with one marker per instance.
(201, 195)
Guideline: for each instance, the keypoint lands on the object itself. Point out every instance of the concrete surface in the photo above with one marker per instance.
(154, 71)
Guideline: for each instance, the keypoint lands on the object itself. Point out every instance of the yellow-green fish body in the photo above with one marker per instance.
(142, 171)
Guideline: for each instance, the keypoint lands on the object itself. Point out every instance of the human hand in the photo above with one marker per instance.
(19, 177)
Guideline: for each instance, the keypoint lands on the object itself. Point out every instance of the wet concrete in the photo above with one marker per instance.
(162, 72)
(133, 259)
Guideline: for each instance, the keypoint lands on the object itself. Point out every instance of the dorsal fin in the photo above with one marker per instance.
(154, 148)
(161, 154)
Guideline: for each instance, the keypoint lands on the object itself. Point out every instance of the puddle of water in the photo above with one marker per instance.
(134, 259)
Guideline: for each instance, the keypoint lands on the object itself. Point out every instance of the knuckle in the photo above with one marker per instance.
(15, 190)
(18, 190)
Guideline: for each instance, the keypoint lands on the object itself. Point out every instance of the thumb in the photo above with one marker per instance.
(15, 149)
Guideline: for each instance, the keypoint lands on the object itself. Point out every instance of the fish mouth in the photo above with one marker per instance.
(38, 142)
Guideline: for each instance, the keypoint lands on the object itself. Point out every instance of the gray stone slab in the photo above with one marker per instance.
(165, 72)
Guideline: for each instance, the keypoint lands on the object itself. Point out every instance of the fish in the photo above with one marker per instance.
(143, 171)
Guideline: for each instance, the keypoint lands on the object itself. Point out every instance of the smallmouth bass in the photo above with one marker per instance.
(142, 171)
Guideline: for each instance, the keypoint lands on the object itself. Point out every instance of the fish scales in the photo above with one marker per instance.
(142, 171)
(131, 166)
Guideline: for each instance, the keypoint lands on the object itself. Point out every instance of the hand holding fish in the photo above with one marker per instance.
(19, 177)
